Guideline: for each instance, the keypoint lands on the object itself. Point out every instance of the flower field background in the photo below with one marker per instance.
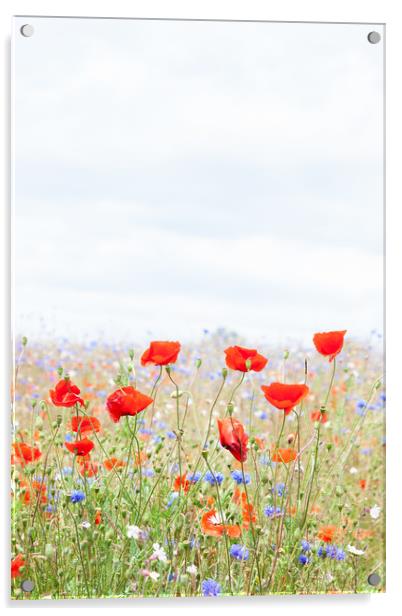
(205, 469)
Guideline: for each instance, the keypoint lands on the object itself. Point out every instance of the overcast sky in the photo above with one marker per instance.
(176, 176)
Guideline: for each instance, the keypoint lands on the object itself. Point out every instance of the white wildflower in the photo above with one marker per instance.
(192, 570)
(375, 512)
(133, 532)
(154, 575)
(85, 524)
(353, 470)
(159, 553)
(354, 551)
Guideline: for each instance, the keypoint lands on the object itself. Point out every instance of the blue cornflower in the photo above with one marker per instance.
(303, 559)
(321, 552)
(262, 415)
(172, 498)
(170, 434)
(194, 477)
(238, 477)
(194, 543)
(279, 489)
(69, 438)
(77, 496)
(271, 511)
(145, 431)
(148, 472)
(212, 479)
(331, 551)
(210, 588)
(305, 546)
(340, 554)
(239, 552)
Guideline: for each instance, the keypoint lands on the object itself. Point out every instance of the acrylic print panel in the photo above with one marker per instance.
(199, 400)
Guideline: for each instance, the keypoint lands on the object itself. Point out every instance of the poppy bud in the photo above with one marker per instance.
(198, 363)
(60, 371)
(297, 533)
(168, 369)
(24, 340)
(224, 373)
(131, 354)
(49, 550)
(204, 454)
(176, 394)
(230, 409)
(286, 354)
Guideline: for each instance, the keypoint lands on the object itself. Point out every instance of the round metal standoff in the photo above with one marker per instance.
(374, 37)
(27, 30)
(27, 585)
(374, 579)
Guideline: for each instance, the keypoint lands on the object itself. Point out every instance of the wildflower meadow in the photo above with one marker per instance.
(205, 469)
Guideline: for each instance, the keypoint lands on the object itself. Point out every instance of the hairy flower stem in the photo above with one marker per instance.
(130, 447)
(153, 395)
(222, 518)
(317, 444)
(179, 430)
(253, 534)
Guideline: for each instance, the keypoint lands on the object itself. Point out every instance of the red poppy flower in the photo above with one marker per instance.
(88, 468)
(328, 533)
(183, 482)
(85, 424)
(16, 565)
(244, 360)
(329, 344)
(38, 492)
(126, 401)
(161, 353)
(66, 394)
(283, 455)
(111, 463)
(318, 416)
(80, 448)
(24, 453)
(284, 396)
(233, 437)
(211, 524)
(98, 517)
(248, 513)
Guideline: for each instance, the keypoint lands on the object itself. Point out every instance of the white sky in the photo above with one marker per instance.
(176, 176)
